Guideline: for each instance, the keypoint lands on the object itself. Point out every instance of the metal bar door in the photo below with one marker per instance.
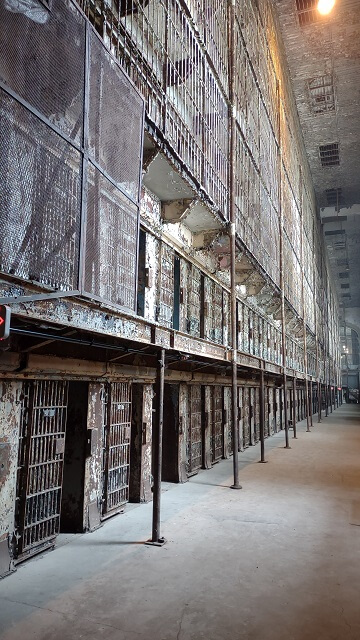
(194, 430)
(217, 426)
(116, 438)
(40, 466)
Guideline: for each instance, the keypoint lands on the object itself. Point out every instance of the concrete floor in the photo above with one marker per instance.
(279, 560)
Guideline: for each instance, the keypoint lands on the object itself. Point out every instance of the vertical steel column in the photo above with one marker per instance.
(283, 324)
(294, 407)
(232, 216)
(156, 538)
(331, 398)
(319, 400)
(311, 403)
(326, 390)
(262, 415)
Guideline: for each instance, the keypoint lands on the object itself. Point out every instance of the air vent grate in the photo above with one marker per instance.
(307, 12)
(345, 286)
(334, 196)
(321, 92)
(343, 274)
(329, 154)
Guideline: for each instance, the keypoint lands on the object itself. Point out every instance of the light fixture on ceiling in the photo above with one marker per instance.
(325, 6)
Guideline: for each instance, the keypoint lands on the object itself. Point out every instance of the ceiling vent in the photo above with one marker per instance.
(321, 92)
(343, 274)
(329, 154)
(334, 197)
(307, 12)
(345, 286)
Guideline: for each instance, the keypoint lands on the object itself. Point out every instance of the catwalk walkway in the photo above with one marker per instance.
(279, 560)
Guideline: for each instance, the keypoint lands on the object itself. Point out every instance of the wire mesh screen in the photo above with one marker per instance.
(115, 138)
(46, 105)
(39, 199)
(44, 63)
(111, 242)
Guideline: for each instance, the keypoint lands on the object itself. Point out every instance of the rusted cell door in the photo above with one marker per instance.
(116, 442)
(194, 440)
(40, 466)
(257, 414)
(217, 424)
(246, 415)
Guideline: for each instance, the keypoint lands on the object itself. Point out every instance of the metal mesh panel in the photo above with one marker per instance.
(166, 289)
(44, 63)
(115, 137)
(194, 296)
(111, 242)
(39, 199)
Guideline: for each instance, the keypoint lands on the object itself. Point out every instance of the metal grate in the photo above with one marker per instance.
(194, 430)
(321, 90)
(111, 242)
(166, 288)
(194, 296)
(116, 438)
(334, 196)
(40, 465)
(307, 12)
(43, 157)
(44, 63)
(329, 154)
(116, 111)
(39, 199)
(217, 427)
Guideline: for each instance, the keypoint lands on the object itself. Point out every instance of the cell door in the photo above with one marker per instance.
(247, 416)
(40, 465)
(194, 448)
(217, 426)
(116, 443)
(257, 415)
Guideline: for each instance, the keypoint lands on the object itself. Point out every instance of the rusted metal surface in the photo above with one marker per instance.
(40, 465)
(194, 436)
(217, 424)
(116, 443)
(93, 463)
(59, 134)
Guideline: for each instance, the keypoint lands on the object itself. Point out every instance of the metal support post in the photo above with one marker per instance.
(294, 407)
(262, 416)
(232, 215)
(311, 404)
(156, 539)
(319, 400)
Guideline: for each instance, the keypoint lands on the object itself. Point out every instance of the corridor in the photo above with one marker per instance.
(278, 560)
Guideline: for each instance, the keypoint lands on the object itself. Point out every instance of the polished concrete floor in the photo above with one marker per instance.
(278, 560)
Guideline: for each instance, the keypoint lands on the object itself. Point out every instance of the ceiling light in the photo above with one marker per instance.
(325, 6)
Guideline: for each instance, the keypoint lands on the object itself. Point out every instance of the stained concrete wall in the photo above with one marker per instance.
(10, 415)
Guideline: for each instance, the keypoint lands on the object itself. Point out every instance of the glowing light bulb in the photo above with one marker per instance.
(325, 6)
